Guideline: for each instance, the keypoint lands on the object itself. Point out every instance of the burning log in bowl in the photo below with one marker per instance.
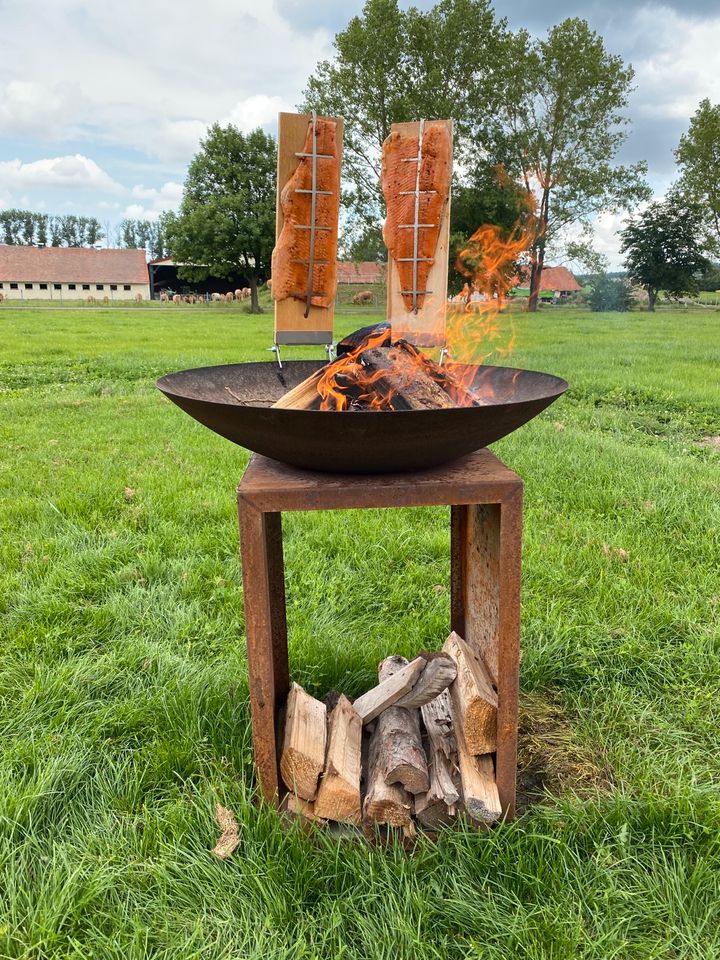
(376, 376)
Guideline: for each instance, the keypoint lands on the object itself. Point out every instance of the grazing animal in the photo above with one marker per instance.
(239, 294)
(246, 292)
(138, 297)
(164, 298)
(1, 297)
(269, 284)
(106, 299)
(177, 298)
(216, 297)
(229, 297)
(363, 296)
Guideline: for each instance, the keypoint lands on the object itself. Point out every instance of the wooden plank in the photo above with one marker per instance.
(371, 704)
(290, 313)
(426, 328)
(473, 696)
(303, 754)
(338, 796)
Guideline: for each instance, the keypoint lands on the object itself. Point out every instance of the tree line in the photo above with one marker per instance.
(28, 228)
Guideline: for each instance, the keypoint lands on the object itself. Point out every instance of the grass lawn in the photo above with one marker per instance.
(123, 684)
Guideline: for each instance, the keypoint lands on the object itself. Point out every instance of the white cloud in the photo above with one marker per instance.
(166, 197)
(258, 110)
(70, 172)
(91, 74)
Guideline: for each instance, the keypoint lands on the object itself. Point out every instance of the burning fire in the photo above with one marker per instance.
(472, 326)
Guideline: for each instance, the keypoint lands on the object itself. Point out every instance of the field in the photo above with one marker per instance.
(123, 683)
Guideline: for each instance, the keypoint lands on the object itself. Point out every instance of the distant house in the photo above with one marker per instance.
(164, 279)
(72, 273)
(366, 272)
(557, 281)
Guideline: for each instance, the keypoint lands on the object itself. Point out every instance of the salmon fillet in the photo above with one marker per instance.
(399, 181)
(290, 278)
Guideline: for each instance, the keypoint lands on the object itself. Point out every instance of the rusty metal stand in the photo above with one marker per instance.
(485, 498)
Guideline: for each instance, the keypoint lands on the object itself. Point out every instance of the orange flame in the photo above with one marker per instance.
(472, 326)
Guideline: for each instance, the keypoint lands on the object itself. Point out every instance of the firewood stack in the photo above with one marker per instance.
(416, 750)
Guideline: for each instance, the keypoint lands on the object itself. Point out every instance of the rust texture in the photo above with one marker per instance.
(486, 529)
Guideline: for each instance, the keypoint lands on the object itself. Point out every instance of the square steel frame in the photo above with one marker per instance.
(485, 500)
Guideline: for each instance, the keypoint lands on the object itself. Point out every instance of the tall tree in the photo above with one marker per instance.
(563, 102)
(134, 234)
(392, 65)
(226, 223)
(664, 250)
(698, 156)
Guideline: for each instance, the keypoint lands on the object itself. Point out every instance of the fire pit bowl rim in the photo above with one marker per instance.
(343, 442)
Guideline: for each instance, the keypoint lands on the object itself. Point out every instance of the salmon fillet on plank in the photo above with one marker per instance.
(399, 180)
(289, 276)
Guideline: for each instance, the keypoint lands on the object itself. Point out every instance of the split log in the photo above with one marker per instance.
(391, 688)
(481, 800)
(441, 802)
(439, 673)
(338, 796)
(304, 396)
(473, 697)
(303, 753)
(385, 803)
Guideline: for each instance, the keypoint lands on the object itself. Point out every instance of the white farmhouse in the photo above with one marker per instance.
(72, 273)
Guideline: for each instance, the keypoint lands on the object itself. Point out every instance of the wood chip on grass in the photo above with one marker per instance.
(230, 838)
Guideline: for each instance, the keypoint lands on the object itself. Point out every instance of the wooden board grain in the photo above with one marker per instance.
(291, 324)
(426, 328)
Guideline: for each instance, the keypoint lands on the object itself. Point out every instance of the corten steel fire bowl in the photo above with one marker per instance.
(235, 401)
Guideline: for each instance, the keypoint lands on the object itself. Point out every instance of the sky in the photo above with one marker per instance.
(102, 105)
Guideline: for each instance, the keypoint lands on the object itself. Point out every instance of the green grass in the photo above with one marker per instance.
(123, 682)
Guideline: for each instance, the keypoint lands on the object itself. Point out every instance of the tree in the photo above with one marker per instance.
(392, 65)
(563, 103)
(226, 223)
(367, 245)
(698, 156)
(664, 250)
(487, 195)
(139, 234)
(610, 293)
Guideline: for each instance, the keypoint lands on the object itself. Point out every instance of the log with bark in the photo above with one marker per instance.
(473, 696)
(412, 685)
(389, 802)
(303, 753)
(338, 796)
(441, 802)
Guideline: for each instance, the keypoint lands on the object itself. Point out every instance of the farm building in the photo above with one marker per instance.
(72, 273)
(366, 272)
(164, 279)
(557, 281)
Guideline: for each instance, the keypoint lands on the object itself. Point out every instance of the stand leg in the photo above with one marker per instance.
(485, 610)
(264, 590)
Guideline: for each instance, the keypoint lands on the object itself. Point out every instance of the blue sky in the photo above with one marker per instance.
(102, 104)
